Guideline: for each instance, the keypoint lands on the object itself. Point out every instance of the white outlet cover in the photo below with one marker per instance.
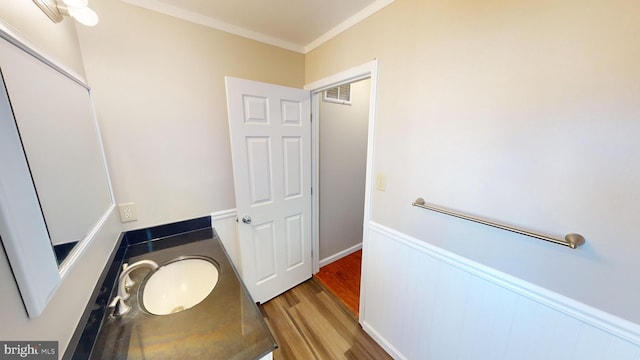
(128, 212)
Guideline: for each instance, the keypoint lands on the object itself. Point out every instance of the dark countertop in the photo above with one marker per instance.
(226, 325)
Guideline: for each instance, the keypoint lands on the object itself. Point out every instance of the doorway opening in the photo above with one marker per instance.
(342, 154)
(342, 137)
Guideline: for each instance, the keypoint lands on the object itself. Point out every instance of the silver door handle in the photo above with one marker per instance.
(246, 219)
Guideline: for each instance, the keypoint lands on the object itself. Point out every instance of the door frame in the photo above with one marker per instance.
(367, 70)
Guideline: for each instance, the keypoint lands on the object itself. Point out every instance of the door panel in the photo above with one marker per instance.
(255, 110)
(260, 169)
(291, 112)
(294, 228)
(270, 132)
(292, 167)
(265, 251)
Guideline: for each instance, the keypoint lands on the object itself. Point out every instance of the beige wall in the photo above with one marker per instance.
(343, 161)
(525, 112)
(160, 96)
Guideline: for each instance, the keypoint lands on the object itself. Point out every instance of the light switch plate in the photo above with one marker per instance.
(381, 182)
(128, 212)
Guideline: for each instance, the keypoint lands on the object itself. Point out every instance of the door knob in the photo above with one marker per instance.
(246, 219)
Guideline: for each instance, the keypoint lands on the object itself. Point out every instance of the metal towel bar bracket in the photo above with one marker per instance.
(570, 240)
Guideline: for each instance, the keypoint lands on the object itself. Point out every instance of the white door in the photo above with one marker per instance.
(270, 128)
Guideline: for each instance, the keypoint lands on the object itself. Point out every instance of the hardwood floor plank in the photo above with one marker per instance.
(342, 278)
(309, 322)
(363, 347)
(291, 343)
(318, 328)
(319, 333)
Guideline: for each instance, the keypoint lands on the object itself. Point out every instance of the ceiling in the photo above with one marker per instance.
(298, 25)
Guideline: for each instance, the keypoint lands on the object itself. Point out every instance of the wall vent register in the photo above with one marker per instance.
(339, 94)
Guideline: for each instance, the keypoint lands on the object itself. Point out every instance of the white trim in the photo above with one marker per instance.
(345, 25)
(82, 245)
(604, 321)
(381, 340)
(196, 18)
(223, 214)
(367, 70)
(337, 256)
(315, 183)
(14, 37)
(354, 74)
(80, 248)
(22, 227)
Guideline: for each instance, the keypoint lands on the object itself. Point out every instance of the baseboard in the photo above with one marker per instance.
(328, 260)
(378, 338)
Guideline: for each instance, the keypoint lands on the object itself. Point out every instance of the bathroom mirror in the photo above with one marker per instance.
(55, 190)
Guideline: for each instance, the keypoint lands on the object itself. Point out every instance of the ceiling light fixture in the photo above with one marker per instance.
(77, 9)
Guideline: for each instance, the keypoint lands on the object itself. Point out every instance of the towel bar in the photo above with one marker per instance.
(570, 240)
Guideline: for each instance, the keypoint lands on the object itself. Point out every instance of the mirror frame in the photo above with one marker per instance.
(22, 225)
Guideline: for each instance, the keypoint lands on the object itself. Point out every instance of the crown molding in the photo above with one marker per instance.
(194, 17)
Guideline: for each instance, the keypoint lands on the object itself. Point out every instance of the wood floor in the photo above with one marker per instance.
(308, 323)
(342, 278)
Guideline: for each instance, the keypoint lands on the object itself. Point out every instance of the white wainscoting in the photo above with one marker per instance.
(421, 302)
(226, 226)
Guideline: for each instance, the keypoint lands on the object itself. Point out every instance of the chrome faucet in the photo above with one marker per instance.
(124, 281)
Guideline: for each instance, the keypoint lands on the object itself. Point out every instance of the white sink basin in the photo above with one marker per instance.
(179, 285)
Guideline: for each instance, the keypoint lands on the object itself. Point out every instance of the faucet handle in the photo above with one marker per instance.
(128, 282)
(122, 288)
(120, 307)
